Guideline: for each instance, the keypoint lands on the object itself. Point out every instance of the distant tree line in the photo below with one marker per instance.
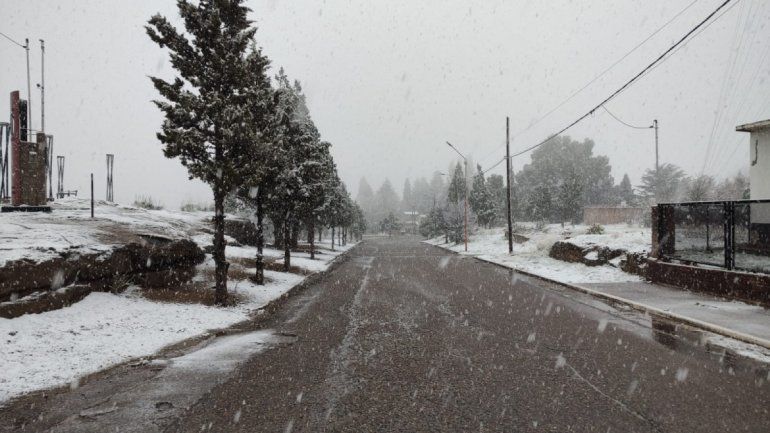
(562, 178)
(250, 137)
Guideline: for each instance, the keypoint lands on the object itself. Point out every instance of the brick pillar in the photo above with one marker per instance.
(655, 249)
(15, 137)
(663, 231)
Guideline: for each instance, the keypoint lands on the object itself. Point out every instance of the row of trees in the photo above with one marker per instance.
(563, 177)
(247, 136)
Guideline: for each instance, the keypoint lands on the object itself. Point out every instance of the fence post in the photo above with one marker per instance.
(729, 228)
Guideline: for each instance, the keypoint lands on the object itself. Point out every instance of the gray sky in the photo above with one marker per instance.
(389, 82)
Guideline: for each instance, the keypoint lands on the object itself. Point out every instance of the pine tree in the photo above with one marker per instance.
(296, 154)
(386, 201)
(365, 198)
(480, 200)
(626, 191)
(407, 198)
(457, 188)
(663, 185)
(208, 123)
(496, 187)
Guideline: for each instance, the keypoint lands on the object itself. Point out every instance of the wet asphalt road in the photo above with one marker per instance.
(405, 337)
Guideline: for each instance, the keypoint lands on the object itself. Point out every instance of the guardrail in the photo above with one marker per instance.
(726, 234)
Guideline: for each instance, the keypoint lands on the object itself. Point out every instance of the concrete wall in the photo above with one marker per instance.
(612, 215)
(731, 284)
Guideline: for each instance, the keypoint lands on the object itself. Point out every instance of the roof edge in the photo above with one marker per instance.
(755, 126)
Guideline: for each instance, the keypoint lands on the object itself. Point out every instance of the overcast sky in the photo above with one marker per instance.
(389, 82)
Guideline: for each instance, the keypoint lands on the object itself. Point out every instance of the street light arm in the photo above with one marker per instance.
(455, 149)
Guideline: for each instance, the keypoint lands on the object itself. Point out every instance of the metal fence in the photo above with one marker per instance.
(728, 234)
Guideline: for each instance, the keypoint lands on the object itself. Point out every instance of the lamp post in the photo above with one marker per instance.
(465, 176)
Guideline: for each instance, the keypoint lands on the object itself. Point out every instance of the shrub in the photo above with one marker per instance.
(196, 207)
(596, 229)
(146, 202)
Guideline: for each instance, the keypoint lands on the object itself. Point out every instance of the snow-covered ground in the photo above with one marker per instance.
(532, 256)
(58, 347)
(38, 236)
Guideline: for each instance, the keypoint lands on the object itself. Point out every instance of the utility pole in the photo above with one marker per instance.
(655, 125)
(42, 85)
(466, 203)
(508, 181)
(29, 92)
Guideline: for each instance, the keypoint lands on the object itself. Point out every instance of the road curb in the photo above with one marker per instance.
(746, 338)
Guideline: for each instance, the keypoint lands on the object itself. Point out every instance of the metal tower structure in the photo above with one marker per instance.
(60, 184)
(110, 164)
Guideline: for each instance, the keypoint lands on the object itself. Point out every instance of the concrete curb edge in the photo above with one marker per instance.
(746, 338)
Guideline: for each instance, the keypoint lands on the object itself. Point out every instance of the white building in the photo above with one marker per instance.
(759, 173)
(759, 157)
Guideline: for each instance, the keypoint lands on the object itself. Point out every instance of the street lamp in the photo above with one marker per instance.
(465, 176)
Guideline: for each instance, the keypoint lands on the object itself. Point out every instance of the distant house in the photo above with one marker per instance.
(410, 221)
(613, 215)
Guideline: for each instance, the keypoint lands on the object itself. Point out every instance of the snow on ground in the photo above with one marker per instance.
(618, 237)
(68, 227)
(532, 256)
(56, 348)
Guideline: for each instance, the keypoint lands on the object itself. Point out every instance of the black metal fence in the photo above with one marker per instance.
(728, 234)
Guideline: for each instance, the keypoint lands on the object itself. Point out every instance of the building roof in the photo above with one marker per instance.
(753, 127)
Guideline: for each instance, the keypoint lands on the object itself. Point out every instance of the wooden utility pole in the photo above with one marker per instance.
(655, 125)
(466, 204)
(508, 181)
(92, 195)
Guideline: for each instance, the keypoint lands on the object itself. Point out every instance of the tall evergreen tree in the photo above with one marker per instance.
(456, 192)
(407, 198)
(480, 200)
(296, 154)
(386, 201)
(365, 198)
(626, 191)
(437, 190)
(208, 123)
(663, 185)
(496, 187)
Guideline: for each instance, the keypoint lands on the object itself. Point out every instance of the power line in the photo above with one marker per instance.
(496, 164)
(9, 38)
(629, 82)
(618, 119)
(601, 74)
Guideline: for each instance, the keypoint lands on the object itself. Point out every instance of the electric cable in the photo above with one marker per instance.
(631, 81)
(601, 74)
(618, 119)
(9, 38)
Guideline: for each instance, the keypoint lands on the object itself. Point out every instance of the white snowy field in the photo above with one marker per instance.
(69, 227)
(532, 256)
(55, 348)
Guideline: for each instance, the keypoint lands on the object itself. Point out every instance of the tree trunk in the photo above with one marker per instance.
(220, 274)
(320, 233)
(332, 238)
(278, 229)
(259, 276)
(311, 237)
(286, 246)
